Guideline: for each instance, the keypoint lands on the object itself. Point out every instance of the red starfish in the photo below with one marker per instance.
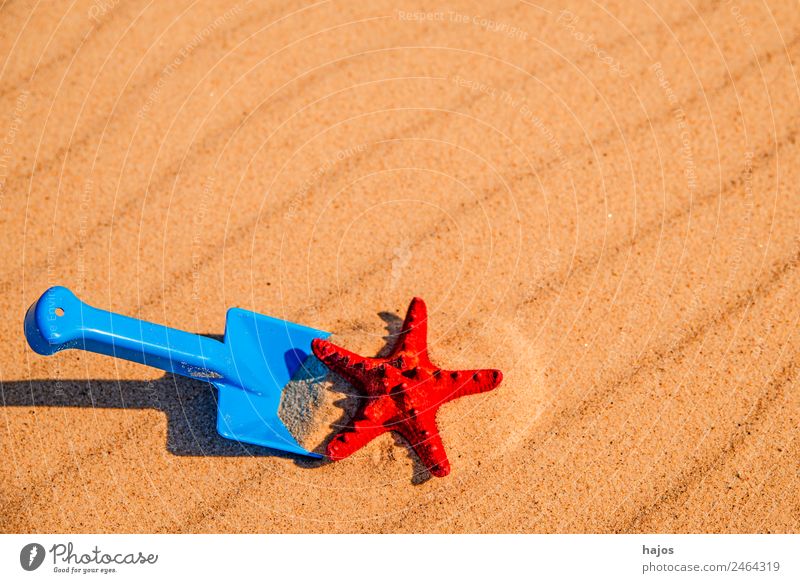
(405, 390)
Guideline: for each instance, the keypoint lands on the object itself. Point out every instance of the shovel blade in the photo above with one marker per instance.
(266, 353)
(251, 418)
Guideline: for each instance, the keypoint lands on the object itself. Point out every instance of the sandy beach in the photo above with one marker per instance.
(599, 200)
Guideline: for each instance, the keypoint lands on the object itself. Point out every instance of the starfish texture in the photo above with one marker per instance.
(404, 391)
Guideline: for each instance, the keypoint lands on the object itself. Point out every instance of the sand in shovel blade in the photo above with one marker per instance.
(312, 402)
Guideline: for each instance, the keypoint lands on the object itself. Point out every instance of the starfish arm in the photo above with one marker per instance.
(471, 382)
(356, 436)
(414, 333)
(341, 361)
(423, 436)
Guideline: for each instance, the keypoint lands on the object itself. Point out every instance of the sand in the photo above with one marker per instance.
(313, 405)
(600, 201)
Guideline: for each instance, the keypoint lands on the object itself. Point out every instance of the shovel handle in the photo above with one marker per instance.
(59, 320)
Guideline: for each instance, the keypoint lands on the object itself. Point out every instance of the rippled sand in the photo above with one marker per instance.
(600, 202)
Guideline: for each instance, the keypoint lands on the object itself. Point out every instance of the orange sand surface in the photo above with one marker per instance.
(599, 200)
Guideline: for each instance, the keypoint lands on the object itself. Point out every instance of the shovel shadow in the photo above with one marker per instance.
(190, 407)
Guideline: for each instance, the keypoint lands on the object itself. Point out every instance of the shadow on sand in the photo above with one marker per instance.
(190, 407)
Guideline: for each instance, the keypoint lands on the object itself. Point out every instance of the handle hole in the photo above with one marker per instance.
(59, 312)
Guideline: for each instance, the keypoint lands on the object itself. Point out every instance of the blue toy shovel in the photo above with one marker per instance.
(250, 367)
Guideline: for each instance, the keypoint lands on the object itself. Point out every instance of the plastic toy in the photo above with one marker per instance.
(250, 367)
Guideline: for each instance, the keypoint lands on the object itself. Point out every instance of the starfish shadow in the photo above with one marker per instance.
(394, 324)
(420, 473)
